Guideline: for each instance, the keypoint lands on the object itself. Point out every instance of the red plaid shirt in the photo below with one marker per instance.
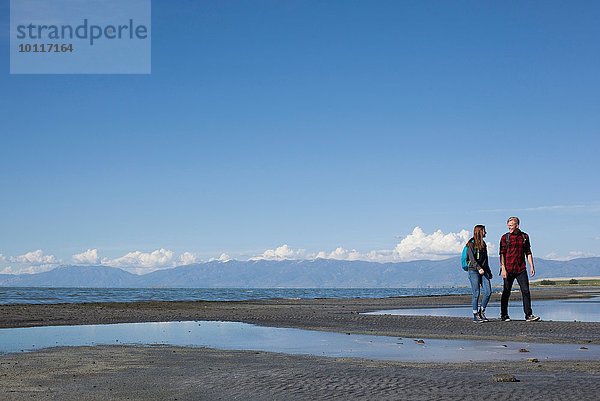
(515, 250)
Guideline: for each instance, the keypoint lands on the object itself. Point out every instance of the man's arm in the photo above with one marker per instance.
(502, 258)
(529, 255)
(532, 268)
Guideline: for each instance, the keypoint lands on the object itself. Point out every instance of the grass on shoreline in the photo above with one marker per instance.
(565, 282)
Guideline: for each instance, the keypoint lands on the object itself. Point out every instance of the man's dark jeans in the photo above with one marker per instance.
(523, 281)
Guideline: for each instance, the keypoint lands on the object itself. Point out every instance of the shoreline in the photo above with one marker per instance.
(338, 315)
(160, 372)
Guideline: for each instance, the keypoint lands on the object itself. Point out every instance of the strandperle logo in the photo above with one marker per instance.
(80, 36)
(87, 31)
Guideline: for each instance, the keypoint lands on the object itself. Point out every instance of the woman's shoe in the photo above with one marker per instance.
(481, 315)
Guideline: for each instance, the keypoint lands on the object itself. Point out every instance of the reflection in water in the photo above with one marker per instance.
(241, 336)
(581, 310)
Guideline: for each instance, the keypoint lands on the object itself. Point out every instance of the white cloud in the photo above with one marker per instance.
(29, 263)
(7, 270)
(415, 246)
(35, 258)
(144, 262)
(339, 254)
(155, 259)
(419, 245)
(382, 255)
(571, 255)
(186, 258)
(280, 253)
(27, 269)
(222, 258)
(88, 257)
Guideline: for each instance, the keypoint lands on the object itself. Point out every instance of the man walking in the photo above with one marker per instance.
(514, 247)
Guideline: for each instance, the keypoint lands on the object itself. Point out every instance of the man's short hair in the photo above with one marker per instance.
(513, 218)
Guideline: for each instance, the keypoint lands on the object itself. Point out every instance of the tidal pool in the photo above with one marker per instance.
(242, 336)
(581, 310)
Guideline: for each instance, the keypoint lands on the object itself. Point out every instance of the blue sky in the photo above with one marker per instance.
(314, 124)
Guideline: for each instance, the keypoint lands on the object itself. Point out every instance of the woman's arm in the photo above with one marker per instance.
(472, 259)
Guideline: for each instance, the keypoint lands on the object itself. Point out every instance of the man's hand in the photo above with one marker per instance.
(503, 272)
(532, 268)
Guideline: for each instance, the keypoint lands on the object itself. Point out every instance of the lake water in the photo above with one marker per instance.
(242, 336)
(581, 310)
(35, 295)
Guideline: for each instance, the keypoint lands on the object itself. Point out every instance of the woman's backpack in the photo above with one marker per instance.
(464, 259)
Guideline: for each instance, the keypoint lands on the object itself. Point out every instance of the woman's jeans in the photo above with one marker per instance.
(477, 281)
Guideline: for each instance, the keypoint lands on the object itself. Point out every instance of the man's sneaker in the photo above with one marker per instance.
(505, 319)
(481, 315)
(532, 318)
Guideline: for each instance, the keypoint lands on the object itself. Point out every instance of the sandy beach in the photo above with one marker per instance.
(164, 372)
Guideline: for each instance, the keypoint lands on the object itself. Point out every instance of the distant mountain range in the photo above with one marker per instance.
(318, 273)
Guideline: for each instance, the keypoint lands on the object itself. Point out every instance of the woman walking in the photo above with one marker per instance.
(480, 273)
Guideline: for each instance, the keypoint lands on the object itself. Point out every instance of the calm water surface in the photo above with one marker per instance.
(581, 310)
(242, 336)
(35, 295)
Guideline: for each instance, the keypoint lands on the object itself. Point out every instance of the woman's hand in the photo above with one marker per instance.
(481, 271)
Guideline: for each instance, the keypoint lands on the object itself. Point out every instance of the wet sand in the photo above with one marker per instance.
(168, 373)
(162, 373)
